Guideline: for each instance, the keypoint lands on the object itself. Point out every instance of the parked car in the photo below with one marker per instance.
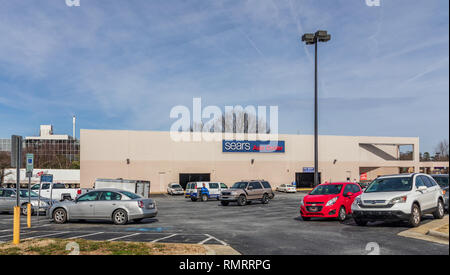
(330, 200)
(399, 197)
(56, 191)
(244, 192)
(442, 180)
(8, 201)
(286, 188)
(175, 189)
(212, 190)
(110, 204)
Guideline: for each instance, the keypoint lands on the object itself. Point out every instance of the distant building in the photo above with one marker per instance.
(5, 145)
(50, 149)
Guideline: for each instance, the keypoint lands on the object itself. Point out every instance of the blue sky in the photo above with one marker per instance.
(125, 64)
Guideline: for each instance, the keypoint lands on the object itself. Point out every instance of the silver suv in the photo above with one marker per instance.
(399, 197)
(244, 192)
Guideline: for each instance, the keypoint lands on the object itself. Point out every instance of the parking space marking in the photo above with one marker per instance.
(47, 235)
(214, 238)
(167, 237)
(123, 237)
(86, 235)
(205, 240)
(21, 233)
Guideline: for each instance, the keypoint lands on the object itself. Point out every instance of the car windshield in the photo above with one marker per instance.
(327, 189)
(442, 181)
(239, 185)
(131, 195)
(289, 185)
(24, 193)
(390, 185)
(176, 186)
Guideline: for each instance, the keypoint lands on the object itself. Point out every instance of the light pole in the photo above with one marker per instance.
(314, 39)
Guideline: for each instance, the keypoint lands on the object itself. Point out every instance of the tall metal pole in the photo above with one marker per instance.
(316, 134)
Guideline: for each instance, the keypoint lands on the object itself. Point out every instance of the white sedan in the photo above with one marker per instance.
(286, 188)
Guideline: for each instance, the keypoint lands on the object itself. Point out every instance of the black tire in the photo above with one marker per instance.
(265, 199)
(342, 215)
(24, 210)
(440, 211)
(360, 222)
(225, 203)
(60, 216)
(242, 200)
(137, 220)
(204, 198)
(415, 217)
(120, 217)
(193, 199)
(306, 219)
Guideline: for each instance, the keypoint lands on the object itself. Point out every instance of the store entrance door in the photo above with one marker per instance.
(305, 180)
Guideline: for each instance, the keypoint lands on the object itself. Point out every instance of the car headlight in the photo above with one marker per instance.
(357, 200)
(401, 199)
(234, 193)
(332, 201)
(42, 203)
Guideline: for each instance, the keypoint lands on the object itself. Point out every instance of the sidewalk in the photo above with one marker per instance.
(429, 232)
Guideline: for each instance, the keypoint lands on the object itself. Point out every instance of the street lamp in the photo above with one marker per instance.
(314, 39)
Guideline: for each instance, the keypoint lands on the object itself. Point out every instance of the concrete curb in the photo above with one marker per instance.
(220, 250)
(438, 234)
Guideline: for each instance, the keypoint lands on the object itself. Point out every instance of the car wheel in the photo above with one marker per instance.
(360, 222)
(342, 214)
(242, 200)
(306, 219)
(415, 217)
(60, 216)
(204, 197)
(439, 213)
(265, 199)
(224, 203)
(24, 209)
(120, 217)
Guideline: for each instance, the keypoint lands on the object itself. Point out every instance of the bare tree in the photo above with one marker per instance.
(441, 150)
(5, 162)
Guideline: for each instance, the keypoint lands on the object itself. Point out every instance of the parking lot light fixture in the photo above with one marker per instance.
(314, 39)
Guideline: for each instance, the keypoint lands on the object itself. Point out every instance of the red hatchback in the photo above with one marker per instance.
(330, 200)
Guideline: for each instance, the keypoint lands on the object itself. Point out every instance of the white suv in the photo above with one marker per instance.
(399, 197)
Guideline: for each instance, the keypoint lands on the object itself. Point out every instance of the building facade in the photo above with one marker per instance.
(156, 157)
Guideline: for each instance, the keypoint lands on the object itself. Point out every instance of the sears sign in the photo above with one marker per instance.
(246, 146)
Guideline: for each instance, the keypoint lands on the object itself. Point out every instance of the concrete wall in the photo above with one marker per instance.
(156, 157)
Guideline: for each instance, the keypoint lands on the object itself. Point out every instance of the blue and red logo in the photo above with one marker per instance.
(247, 146)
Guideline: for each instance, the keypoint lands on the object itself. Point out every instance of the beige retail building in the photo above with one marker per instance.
(158, 158)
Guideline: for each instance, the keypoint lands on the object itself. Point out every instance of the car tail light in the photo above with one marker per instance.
(79, 191)
(141, 204)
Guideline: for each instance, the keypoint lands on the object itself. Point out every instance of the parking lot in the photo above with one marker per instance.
(255, 229)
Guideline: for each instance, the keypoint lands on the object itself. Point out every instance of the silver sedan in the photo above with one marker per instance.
(114, 205)
(8, 200)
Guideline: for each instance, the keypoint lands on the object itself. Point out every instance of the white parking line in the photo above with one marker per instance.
(157, 240)
(47, 235)
(123, 237)
(21, 233)
(205, 240)
(86, 235)
(222, 242)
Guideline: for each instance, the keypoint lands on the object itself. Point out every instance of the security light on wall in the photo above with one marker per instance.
(128, 161)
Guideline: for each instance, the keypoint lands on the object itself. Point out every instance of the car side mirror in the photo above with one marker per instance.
(349, 194)
(422, 188)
